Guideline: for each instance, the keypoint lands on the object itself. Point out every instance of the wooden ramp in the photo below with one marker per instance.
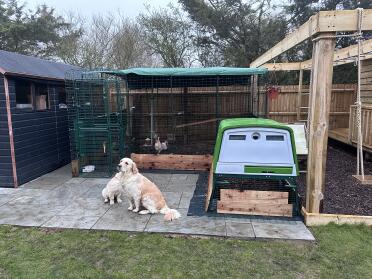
(299, 133)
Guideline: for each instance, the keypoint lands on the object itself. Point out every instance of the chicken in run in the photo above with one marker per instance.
(160, 146)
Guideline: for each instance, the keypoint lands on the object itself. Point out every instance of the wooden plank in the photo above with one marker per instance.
(198, 123)
(320, 104)
(290, 66)
(242, 203)
(317, 219)
(10, 132)
(237, 195)
(172, 161)
(341, 56)
(366, 181)
(291, 40)
(255, 209)
(324, 21)
(340, 134)
(210, 188)
(343, 20)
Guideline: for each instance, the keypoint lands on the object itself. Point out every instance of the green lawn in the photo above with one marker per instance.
(341, 252)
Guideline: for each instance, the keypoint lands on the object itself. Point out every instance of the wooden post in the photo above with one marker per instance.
(75, 168)
(254, 91)
(299, 100)
(319, 107)
(10, 130)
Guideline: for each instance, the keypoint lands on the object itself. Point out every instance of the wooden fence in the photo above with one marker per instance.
(191, 115)
(284, 107)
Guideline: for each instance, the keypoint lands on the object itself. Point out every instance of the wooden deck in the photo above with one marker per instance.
(342, 135)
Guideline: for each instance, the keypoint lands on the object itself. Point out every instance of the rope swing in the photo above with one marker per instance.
(358, 103)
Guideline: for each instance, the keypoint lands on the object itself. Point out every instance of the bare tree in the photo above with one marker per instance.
(129, 48)
(106, 41)
(169, 34)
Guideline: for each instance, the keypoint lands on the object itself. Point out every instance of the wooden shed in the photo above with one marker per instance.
(34, 137)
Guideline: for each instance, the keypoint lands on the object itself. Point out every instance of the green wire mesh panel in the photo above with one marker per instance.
(97, 122)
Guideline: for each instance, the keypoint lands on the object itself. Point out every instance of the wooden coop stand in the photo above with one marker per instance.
(322, 28)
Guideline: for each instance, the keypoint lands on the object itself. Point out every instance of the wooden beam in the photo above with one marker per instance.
(324, 21)
(290, 66)
(352, 51)
(254, 94)
(341, 56)
(304, 32)
(237, 195)
(10, 131)
(198, 123)
(319, 105)
(316, 219)
(258, 208)
(172, 161)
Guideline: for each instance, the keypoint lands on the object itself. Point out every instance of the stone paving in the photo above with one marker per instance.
(56, 200)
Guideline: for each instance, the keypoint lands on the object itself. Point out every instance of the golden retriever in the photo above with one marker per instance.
(113, 189)
(140, 191)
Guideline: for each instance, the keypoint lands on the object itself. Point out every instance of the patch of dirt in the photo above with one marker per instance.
(343, 194)
(51, 230)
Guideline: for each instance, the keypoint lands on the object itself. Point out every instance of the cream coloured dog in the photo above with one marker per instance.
(113, 189)
(142, 192)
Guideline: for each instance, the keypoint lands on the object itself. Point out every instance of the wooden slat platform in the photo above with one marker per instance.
(342, 135)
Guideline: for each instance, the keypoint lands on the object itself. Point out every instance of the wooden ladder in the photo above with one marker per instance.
(300, 108)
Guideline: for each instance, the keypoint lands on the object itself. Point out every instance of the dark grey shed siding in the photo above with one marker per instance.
(6, 174)
(41, 139)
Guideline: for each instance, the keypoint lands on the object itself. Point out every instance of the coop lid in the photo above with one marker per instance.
(211, 71)
(234, 123)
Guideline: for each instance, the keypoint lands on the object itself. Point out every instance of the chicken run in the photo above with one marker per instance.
(152, 111)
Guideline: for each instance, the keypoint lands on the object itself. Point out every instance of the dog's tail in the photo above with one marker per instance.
(170, 214)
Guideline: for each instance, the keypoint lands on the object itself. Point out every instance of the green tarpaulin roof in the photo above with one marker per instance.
(213, 71)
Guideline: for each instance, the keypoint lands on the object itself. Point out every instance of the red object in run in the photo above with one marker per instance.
(272, 92)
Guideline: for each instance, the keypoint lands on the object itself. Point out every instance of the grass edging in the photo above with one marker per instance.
(315, 219)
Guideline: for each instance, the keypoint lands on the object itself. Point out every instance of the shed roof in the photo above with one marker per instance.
(211, 71)
(23, 65)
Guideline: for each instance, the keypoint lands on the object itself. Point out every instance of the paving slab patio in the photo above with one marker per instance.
(56, 200)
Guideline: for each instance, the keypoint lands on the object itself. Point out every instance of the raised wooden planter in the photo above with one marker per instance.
(172, 161)
(314, 219)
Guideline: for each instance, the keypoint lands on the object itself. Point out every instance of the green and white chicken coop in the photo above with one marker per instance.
(254, 154)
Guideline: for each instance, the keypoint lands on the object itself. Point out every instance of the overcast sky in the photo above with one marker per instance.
(131, 8)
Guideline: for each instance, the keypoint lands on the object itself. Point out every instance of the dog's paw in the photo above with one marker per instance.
(106, 201)
(120, 201)
(143, 212)
(112, 202)
(130, 208)
(135, 210)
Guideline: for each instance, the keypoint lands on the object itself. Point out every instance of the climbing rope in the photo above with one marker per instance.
(358, 103)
